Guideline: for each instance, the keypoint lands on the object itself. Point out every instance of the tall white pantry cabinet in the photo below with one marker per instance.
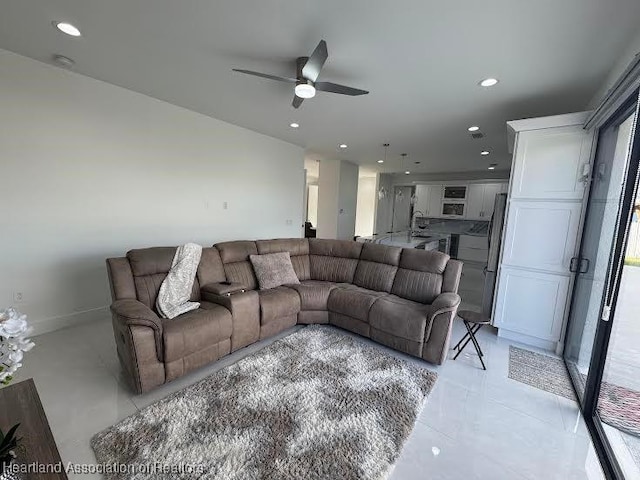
(547, 197)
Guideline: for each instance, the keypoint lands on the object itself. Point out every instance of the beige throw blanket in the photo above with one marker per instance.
(175, 291)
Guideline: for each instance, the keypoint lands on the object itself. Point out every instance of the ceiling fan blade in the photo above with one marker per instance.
(341, 89)
(312, 68)
(297, 101)
(266, 75)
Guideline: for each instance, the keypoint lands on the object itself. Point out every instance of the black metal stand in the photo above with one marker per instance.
(470, 336)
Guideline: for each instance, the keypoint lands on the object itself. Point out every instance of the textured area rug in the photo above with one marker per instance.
(317, 404)
(540, 371)
(618, 406)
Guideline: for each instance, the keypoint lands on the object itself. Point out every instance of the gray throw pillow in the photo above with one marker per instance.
(273, 270)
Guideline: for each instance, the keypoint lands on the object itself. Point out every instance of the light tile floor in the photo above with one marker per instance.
(475, 425)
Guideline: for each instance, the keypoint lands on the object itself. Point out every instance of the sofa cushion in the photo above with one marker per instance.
(400, 317)
(298, 249)
(235, 258)
(150, 267)
(195, 330)
(278, 302)
(353, 301)
(273, 270)
(314, 294)
(420, 275)
(333, 260)
(377, 267)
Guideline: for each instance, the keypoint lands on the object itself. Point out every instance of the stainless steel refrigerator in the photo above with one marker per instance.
(494, 238)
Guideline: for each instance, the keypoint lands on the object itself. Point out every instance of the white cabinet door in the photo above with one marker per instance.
(542, 235)
(475, 198)
(422, 204)
(549, 163)
(531, 303)
(435, 201)
(489, 199)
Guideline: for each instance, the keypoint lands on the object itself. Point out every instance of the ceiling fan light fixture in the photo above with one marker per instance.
(473, 128)
(305, 90)
(484, 152)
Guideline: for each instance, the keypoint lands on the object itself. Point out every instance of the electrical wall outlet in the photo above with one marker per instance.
(18, 297)
(225, 205)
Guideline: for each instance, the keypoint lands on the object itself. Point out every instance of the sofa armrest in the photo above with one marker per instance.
(129, 312)
(445, 302)
(438, 329)
(245, 310)
(222, 288)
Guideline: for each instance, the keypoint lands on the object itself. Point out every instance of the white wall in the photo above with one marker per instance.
(328, 193)
(348, 201)
(622, 62)
(90, 170)
(366, 208)
(337, 199)
(312, 204)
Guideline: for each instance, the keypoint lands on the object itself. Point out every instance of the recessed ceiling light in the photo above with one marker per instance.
(67, 28)
(492, 166)
(473, 128)
(380, 161)
(489, 82)
(294, 125)
(407, 172)
(343, 145)
(484, 152)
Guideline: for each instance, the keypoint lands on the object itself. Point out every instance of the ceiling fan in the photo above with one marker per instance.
(308, 70)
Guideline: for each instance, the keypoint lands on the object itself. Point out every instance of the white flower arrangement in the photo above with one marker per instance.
(14, 330)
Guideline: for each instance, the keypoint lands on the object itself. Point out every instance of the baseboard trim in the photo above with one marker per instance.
(65, 321)
(527, 340)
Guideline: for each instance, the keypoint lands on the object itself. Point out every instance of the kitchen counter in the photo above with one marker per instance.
(407, 240)
(451, 227)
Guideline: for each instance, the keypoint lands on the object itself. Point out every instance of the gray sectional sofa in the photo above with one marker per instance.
(402, 298)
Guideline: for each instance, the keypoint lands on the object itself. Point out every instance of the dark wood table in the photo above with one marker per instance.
(20, 403)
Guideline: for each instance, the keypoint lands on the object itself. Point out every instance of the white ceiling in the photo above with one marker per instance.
(421, 60)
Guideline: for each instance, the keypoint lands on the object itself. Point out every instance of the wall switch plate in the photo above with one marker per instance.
(18, 297)
(289, 222)
(225, 205)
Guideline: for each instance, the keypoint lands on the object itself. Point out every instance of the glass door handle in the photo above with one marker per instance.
(584, 265)
(573, 264)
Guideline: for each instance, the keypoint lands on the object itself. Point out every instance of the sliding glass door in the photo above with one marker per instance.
(597, 242)
(602, 344)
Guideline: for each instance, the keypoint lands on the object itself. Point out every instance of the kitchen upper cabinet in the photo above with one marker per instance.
(489, 198)
(429, 200)
(475, 197)
(481, 199)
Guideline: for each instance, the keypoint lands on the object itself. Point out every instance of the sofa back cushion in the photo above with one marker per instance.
(150, 267)
(377, 267)
(210, 269)
(333, 260)
(235, 260)
(298, 249)
(420, 275)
